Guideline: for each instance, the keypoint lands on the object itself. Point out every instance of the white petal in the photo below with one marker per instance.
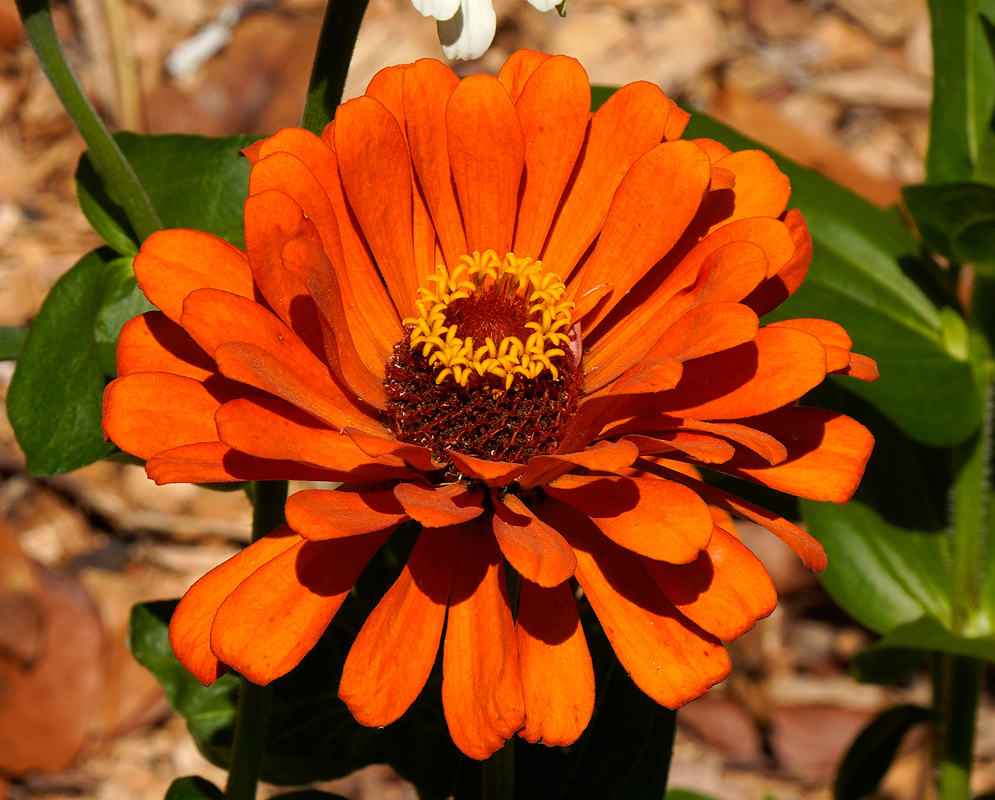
(471, 30)
(542, 5)
(440, 9)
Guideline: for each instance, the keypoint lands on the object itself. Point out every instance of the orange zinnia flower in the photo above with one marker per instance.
(520, 325)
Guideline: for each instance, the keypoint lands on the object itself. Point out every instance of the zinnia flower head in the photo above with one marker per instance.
(522, 326)
(466, 27)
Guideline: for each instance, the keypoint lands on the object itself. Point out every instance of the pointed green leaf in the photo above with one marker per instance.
(928, 634)
(11, 342)
(956, 220)
(54, 402)
(193, 787)
(873, 751)
(961, 139)
(193, 181)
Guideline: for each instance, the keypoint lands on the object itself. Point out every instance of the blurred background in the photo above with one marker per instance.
(842, 86)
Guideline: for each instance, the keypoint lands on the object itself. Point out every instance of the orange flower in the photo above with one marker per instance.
(520, 325)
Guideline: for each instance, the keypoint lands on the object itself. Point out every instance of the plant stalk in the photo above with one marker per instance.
(956, 688)
(251, 719)
(108, 159)
(498, 774)
(337, 40)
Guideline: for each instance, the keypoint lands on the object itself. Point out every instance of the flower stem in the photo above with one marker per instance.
(956, 688)
(251, 717)
(498, 774)
(110, 162)
(339, 31)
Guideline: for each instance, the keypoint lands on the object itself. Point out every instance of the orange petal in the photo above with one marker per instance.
(519, 67)
(376, 175)
(557, 673)
(307, 389)
(648, 375)
(285, 173)
(377, 446)
(359, 367)
(833, 338)
(535, 550)
(602, 457)
(148, 412)
(715, 150)
(173, 263)
(481, 681)
(630, 123)
(394, 653)
(655, 518)
(151, 342)
(707, 329)
(492, 473)
(762, 190)
(318, 514)
(788, 276)
(676, 122)
(487, 156)
(438, 506)
(807, 548)
(587, 302)
(862, 367)
(216, 462)
(826, 454)
(270, 428)
(724, 591)
(680, 269)
(763, 444)
(754, 378)
(667, 656)
(666, 186)
(699, 446)
(554, 108)
(387, 87)
(271, 220)
(190, 626)
(275, 616)
(428, 85)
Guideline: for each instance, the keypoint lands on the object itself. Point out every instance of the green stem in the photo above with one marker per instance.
(969, 525)
(253, 701)
(337, 40)
(108, 159)
(956, 688)
(499, 774)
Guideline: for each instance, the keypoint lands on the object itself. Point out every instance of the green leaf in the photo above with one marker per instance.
(193, 787)
(962, 142)
(888, 549)
(956, 220)
(873, 751)
(930, 635)
(193, 181)
(882, 575)
(11, 342)
(208, 710)
(54, 403)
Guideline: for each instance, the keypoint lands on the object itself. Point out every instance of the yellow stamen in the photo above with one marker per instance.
(459, 358)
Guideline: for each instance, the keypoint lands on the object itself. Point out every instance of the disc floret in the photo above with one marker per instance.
(490, 316)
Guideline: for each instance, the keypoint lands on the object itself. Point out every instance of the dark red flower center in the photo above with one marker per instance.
(486, 368)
